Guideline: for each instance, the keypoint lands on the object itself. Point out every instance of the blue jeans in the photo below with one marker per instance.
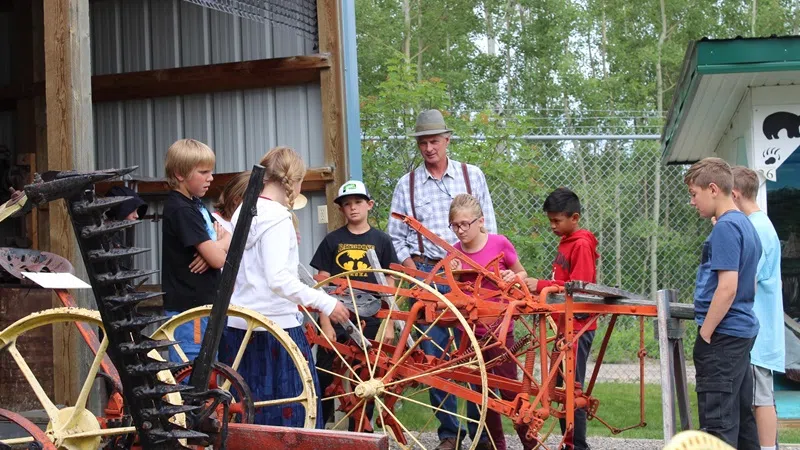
(449, 426)
(186, 336)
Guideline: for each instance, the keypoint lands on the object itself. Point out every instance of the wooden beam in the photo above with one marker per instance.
(315, 181)
(332, 88)
(67, 66)
(263, 73)
(243, 75)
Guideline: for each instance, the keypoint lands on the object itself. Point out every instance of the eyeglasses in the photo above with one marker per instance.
(463, 226)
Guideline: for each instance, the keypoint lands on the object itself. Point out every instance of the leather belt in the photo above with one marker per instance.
(425, 260)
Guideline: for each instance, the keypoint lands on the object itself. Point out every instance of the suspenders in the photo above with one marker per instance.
(413, 204)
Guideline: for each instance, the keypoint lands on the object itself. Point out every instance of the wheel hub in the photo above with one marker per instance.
(369, 389)
(85, 422)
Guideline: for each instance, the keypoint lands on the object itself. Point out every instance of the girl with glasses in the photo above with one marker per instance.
(467, 222)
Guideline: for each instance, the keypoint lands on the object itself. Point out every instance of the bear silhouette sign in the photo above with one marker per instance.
(776, 135)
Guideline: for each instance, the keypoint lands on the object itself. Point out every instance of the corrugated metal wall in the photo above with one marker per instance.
(136, 35)
(6, 117)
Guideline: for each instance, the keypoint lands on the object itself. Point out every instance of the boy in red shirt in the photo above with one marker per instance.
(575, 261)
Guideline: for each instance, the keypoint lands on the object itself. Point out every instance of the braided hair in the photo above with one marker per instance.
(284, 165)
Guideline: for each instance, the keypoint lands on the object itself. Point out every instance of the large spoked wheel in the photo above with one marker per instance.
(37, 438)
(392, 381)
(74, 427)
(255, 322)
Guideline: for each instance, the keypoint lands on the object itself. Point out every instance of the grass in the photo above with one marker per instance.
(619, 406)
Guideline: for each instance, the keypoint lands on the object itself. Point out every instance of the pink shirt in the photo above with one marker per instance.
(495, 245)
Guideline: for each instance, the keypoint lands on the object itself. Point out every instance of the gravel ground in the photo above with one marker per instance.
(430, 441)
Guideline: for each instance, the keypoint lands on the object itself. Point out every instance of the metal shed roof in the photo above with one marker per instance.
(715, 77)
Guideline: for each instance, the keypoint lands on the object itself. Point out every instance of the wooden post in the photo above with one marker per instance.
(67, 64)
(332, 88)
(675, 332)
(681, 384)
(663, 299)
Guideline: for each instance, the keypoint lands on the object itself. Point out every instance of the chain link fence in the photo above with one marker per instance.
(611, 159)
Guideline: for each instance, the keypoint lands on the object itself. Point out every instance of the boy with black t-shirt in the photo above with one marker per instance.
(194, 245)
(343, 250)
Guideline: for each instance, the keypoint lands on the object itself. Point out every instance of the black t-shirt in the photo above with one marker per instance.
(342, 250)
(184, 227)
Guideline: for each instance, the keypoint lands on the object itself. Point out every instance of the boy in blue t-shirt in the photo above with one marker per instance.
(723, 308)
(769, 351)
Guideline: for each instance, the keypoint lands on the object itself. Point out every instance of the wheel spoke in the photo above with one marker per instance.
(359, 427)
(320, 369)
(387, 323)
(80, 403)
(281, 401)
(333, 347)
(431, 373)
(17, 441)
(169, 334)
(439, 409)
(399, 423)
(360, 328)
(49, 407)
(432, 416)
(102, 432)
(420, 391)
(416, 344)
(418, 330)
(333, 397)
(336, 425)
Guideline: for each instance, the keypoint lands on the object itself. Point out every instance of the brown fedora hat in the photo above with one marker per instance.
(430, 122)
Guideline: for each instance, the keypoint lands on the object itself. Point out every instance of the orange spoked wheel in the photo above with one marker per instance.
(386, 386)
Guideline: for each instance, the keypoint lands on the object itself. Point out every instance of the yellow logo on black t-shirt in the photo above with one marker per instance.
(353, 257)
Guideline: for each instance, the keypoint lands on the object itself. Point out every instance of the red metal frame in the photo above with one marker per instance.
(496, 308)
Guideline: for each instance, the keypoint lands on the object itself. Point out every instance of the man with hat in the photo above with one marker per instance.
(343, 250)
(425, 194)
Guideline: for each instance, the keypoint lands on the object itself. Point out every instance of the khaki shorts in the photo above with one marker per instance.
(763, 391)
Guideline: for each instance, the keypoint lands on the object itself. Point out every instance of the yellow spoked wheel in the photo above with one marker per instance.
(389, 384)
(254, 323)
(74, 427)
(696, 440)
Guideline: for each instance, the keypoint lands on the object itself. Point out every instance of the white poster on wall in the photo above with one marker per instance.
(776, 135)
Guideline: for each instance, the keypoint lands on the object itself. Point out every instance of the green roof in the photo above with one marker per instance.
(724, 67)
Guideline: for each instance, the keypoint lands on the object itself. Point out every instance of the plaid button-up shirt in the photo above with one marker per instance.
(432, 200)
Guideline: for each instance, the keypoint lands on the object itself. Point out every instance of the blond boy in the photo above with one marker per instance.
(194, 245)
(768, 354)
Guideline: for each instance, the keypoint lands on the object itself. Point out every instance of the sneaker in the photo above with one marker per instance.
(449, 444)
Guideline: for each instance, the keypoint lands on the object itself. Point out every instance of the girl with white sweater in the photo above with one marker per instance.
(267, 282)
